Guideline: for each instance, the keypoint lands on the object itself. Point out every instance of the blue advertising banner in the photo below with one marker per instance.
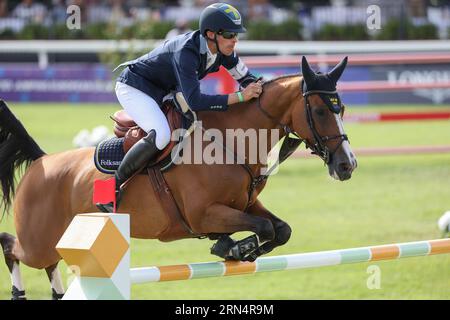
(57, 83)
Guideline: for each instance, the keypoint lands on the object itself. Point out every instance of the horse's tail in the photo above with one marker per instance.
(17, 147)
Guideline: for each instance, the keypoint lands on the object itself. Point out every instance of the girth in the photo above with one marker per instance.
(177, 227)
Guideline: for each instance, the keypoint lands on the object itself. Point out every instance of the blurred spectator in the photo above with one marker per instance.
(136, 3)
(138, 10)
(314, 15)
(98, 11)
(30, 11)
(417, 12)
(118, 11)
(58, 12)
(3, 8)
(258, 9)
(181, 26)
(204, 3)
(440, 17)
(304, 16)
(121, 15)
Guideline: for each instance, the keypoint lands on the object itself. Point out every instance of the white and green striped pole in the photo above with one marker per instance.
(287, 262)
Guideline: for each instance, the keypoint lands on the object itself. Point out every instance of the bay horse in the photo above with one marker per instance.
(56, 187)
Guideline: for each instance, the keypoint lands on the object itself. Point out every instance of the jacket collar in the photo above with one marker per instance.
(203, 45)
(204, 49)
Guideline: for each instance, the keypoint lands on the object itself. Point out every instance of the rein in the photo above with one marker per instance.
(291, 146)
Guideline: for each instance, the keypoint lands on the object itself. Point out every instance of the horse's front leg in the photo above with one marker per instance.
(225, 220)
(282, 230)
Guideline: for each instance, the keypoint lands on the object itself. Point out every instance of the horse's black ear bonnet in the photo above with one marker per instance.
(323, 84)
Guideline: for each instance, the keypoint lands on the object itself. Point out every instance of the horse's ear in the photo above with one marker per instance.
(308, 74)
(336, 73)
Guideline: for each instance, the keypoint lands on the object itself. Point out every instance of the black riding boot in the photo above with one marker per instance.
(136, 158)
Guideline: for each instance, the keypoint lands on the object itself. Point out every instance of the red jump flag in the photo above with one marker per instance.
(105, 192)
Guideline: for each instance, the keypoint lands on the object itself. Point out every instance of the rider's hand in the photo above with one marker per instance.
(253, 90)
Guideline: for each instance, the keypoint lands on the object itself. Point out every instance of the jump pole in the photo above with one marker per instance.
(97, 245)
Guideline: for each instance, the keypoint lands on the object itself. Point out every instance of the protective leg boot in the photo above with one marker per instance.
(136, 158)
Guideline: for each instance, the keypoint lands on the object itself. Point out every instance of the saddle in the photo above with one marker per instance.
(126, 128)
(109, 154)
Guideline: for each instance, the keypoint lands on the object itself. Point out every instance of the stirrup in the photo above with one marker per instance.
(105, 207)
(109, 207)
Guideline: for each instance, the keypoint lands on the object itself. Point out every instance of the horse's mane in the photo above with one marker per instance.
(281, 77)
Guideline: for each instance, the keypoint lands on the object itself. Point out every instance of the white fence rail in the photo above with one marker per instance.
(44, 47)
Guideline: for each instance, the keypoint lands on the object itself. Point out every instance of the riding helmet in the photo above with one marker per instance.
(221, 16)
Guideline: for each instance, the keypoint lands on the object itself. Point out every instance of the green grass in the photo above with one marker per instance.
(388, 200)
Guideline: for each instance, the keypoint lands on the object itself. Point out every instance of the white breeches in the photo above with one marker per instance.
(145, 112)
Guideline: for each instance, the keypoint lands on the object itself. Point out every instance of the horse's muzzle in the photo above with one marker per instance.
(342, 169)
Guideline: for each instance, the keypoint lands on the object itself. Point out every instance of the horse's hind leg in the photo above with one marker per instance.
(55, 281)
(7, 242)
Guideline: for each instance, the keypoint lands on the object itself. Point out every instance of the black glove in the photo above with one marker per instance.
(244, 82)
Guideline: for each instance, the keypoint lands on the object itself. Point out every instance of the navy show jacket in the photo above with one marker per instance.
(178, 65)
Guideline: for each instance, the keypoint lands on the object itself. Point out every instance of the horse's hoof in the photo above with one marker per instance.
(250, 257)
(56, 296)
(222, 247)
(230, 258)
(17, 294)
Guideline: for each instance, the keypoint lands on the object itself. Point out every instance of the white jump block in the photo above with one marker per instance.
(96, 246)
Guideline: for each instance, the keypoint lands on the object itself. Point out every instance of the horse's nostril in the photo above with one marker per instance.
(344, 167)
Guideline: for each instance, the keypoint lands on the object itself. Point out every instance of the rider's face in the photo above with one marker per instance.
(227, 46)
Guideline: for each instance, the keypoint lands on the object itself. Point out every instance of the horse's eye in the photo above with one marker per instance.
(320, 112)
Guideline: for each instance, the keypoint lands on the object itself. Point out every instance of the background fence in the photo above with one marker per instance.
(393, 77)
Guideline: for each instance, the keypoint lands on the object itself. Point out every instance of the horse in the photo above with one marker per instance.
(56, 187)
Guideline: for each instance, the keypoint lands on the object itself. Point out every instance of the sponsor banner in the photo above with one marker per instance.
(93, 82)
(415, 75)
(57, 83)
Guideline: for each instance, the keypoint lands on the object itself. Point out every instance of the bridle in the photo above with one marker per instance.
(318, 146)
(289, 145)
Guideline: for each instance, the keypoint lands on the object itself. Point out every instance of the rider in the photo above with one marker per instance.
(178, 64)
